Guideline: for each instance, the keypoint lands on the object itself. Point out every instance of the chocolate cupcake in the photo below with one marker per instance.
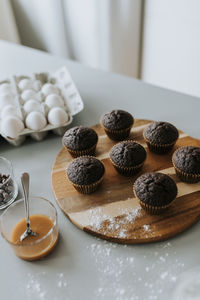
(128, 157)
(160, 137)
(80, 141)
(86, 173)
(186, 161)
(155, 191)
(117, 124)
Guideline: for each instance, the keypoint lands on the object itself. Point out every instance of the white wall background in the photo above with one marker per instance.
(171, 44)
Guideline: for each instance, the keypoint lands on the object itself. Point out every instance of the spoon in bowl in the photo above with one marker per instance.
(25, 186)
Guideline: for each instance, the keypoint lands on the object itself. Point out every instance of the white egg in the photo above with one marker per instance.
(5, 88)
(37, 85)
(49, 88)
(12, 126)
(28, 94)
(54, 100)
(10, 110)
(6, 99)
(32, 105)
(35, 120)
(25, 84)
(57, 116)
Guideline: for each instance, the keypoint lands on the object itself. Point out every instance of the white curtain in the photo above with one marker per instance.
(100, 33)
(107, 34)
(8, 29)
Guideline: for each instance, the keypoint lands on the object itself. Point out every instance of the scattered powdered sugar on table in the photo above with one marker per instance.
(113, 268)
(122, 273)
(62, 282)
(188, 286)
(35, 288)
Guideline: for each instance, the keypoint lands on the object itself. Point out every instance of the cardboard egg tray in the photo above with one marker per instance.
(73, 103)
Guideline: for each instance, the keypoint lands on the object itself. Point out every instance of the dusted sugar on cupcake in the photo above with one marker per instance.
(80, 141)
(186, 161)
(117, 124)
(160, 137)
(128, 157)
(155, 191)
(86, 173)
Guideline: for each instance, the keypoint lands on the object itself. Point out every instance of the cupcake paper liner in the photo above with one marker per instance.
(159, 149)
(186, 177)
(117, 135)
(127, 171)
(88, 189)
(76, 153)
(152, 209)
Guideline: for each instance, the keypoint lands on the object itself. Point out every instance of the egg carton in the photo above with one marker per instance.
(67, 90)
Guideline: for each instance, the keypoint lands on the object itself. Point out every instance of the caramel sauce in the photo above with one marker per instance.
(29, 249)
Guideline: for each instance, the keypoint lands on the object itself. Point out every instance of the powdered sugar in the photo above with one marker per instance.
(36, 289)
(100, 221)
(163, 275)
(113, 268)
(122, 233)
(96, 218)
(188, 286)
(121, 272)
(146, 227)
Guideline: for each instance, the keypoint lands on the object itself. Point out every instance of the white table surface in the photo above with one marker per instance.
(83, 267)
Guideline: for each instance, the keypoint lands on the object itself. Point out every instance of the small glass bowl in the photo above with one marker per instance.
(15, 213)
(8, 188)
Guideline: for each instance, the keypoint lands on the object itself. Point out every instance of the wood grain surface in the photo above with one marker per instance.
(112, 212)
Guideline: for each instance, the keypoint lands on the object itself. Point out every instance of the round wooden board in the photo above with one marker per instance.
(112, 212)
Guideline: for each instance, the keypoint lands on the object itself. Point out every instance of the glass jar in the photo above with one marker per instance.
(32, 250)
(8, 185)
